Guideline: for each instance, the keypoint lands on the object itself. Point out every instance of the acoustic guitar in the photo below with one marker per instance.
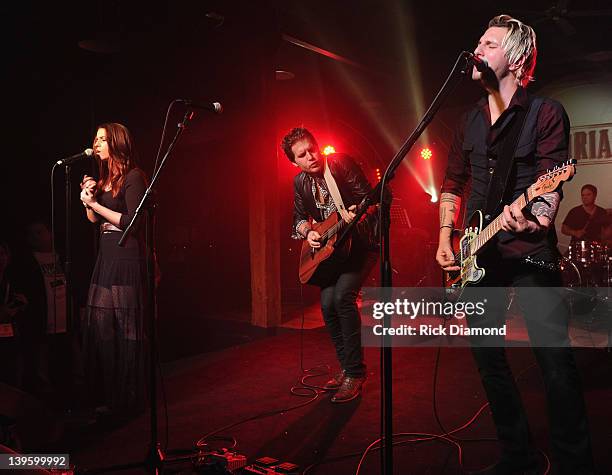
(315, 264)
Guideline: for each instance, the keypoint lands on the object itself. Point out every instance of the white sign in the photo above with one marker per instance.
(590, 144)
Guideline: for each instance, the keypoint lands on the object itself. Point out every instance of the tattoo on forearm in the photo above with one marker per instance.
(547, 205)
(442, 215)
(450, 198)
(449, 205)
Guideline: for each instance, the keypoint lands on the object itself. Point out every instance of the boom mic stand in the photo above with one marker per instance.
(463, 65)
(68, 253)
(155, 458)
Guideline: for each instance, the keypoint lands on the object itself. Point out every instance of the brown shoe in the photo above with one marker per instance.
(349, 390)
(335, 381)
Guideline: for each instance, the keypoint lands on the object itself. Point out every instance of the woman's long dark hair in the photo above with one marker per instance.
(121, 157)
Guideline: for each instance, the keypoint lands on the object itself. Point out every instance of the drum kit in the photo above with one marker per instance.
(588, 264)
(587, 274)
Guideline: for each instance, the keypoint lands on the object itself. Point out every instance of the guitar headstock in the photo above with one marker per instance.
(551, 180)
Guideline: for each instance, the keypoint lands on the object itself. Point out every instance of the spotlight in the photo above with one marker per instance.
(328, 150)
(426, 153)
(378, 177)
(433, 194)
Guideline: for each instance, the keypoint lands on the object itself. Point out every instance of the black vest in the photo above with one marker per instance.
(482, 159)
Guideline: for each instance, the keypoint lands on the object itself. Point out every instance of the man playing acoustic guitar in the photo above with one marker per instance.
(339, 277)
(504, 144)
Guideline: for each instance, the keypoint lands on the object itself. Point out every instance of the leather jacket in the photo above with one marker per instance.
(353, 186)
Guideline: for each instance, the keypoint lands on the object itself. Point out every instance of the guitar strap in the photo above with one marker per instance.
(499, 180)
(333, 187)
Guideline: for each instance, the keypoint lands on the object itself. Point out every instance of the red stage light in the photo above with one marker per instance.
(426, 153)
(328, 150)
(378, 177)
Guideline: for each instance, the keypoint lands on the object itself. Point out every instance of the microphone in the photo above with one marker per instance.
(480, 64)
(215, 107)
(73, 158)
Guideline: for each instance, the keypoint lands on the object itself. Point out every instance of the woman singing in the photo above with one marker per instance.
(113, 331)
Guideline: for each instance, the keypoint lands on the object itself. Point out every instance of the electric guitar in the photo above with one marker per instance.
(467, 246)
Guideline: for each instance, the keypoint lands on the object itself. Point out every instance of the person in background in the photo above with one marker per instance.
(606, 232)
(12, 305)
(585, 222)
(38, 272)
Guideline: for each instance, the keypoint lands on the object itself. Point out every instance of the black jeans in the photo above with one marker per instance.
(340, 313)
(546, 316)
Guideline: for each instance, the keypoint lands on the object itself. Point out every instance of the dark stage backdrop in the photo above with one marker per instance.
(137, 59)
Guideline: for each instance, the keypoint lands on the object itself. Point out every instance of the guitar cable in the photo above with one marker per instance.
(435, 405)
(434, 398)
(446, 436)
(302, 389)
(316, 371)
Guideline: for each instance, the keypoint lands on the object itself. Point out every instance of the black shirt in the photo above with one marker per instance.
(542, 145)
(578, 218)
(128, 198)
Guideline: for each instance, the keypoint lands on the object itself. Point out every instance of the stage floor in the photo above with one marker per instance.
(223, 387)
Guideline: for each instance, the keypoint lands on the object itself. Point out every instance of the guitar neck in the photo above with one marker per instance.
(339, 226)
(495, 226)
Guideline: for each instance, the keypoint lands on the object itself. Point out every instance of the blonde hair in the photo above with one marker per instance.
(518, 43)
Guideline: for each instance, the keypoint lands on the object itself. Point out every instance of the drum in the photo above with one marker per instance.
(581, 292)
(606, 266)
(585, 253)
(570, 273)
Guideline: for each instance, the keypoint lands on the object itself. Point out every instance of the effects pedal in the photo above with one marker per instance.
(271, 466)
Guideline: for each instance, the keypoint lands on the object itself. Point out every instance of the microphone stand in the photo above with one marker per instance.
(386, 282)
(68, 252)
(155, 458)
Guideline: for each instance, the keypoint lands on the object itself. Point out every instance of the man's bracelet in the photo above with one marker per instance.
(450, 226)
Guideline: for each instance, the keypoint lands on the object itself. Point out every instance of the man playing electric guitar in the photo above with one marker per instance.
(340, 277)
(522, 253)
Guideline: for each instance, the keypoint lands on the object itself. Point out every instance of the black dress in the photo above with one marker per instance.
(114, 326)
